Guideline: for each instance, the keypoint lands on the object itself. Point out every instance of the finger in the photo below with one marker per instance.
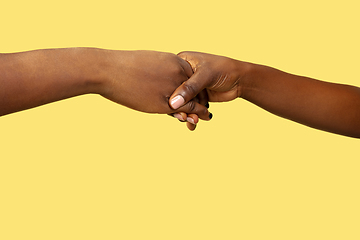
(192, 118)
(196, 108)
(181, 116)
(191, 126)
(189, 89)
(203, 98)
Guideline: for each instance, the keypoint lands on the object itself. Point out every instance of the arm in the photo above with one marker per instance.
(141, 80)
(327, 106)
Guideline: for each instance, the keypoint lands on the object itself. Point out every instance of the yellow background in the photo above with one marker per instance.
(86, 168)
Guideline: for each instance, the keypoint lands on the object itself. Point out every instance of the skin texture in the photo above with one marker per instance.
(141, 80)
(326, 106)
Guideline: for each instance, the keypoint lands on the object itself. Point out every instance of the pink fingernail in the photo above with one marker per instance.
(177, 102)
(190, 120)
(178, 116)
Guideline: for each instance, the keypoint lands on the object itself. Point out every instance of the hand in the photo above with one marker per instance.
(144, 81)
(219, 76)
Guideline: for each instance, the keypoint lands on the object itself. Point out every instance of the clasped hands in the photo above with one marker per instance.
(179, 85)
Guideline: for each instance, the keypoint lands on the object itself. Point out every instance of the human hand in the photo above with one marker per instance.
(144, 81)
(219, 76)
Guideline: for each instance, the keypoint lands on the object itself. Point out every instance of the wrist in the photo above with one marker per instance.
(256, 79)
(93, 69)
(245, 72)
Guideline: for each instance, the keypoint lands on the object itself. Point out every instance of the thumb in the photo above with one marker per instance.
(189, 89)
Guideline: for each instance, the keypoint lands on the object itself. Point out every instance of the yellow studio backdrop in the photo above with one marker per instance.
(87, 168)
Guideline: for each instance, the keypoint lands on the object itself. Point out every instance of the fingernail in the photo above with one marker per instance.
(178, 116)
(210, 115)
(177, 102)
(190, 120)
(207, 105)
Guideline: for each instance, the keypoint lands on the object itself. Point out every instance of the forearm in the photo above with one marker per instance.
(34, 78)
(322, 105)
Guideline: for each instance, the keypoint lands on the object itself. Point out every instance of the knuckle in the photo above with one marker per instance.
(191, 106)
(182, 53)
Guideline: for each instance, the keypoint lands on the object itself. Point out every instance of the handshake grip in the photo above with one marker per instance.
(215, 79)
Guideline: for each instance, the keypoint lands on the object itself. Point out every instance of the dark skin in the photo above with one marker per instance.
(141, 80)
(144, 81)
(322, 105)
